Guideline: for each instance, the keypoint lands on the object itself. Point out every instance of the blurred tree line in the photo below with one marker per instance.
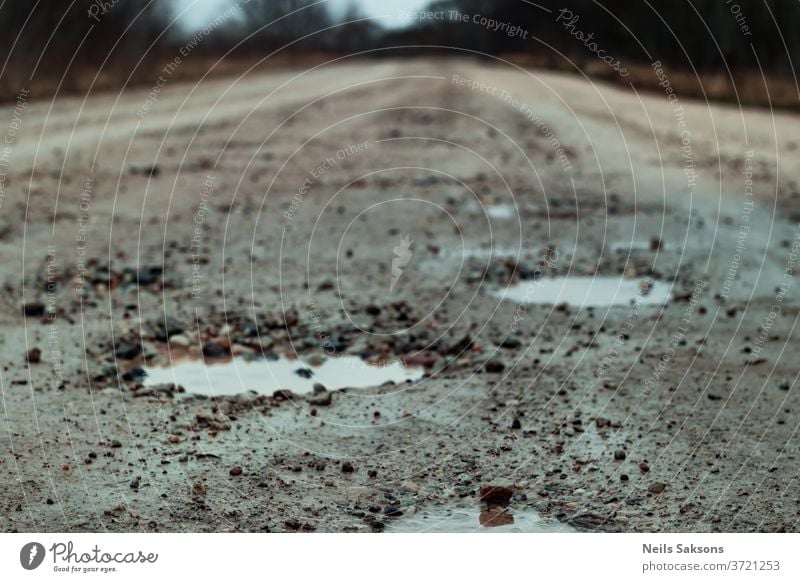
(701, 34)
(70, 39)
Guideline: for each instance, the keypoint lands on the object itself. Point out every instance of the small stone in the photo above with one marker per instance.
(235, 471)
(657, 488)
(510, 342)
(496, 494)
(168, 328)
(126, 351)
(409, 486)
(321, 399)
(135, 374)
(644, 467)
(282, 394)
(135, 483)
(516, 424)
(215, 351)
(34, 356)
(179, 340)
(33, 309)
(619, 455)
(392, 511)
(494, 366)
(304, 373)
(347, 467)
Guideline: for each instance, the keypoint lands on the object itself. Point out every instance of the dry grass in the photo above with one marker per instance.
(747, 88)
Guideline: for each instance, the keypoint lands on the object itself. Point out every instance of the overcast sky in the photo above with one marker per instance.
(202, 11)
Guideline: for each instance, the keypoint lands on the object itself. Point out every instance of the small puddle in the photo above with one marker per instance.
(494, 211)
(493, 519)
(238, 375)
(587, 291)
(502, 212)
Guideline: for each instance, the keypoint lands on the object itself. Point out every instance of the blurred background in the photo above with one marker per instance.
(739, 51)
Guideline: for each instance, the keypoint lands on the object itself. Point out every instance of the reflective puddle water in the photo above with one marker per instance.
(587, 291)
(501, 212)
(238, 375)
(493, 519)
(494, 211)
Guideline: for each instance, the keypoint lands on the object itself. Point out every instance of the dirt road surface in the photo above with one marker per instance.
(376, 209)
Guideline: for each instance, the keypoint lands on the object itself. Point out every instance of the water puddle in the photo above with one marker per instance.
(502, 212)
(468, 520)
(265, 376)
(494, 211)
(587, 291)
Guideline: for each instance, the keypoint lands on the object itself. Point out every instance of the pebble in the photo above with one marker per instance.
(168, 328)
(135, 374)
(126, 351)
(179, 340)
(510, 342)
(657, 488)
(33, 309)
(236, 471)
(494, 366)
(619, 455)
(496, 494)
(34, 356)
(347, 467)
(215, 350)
(321, 399)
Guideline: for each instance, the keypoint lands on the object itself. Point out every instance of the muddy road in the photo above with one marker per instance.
(399, 214)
